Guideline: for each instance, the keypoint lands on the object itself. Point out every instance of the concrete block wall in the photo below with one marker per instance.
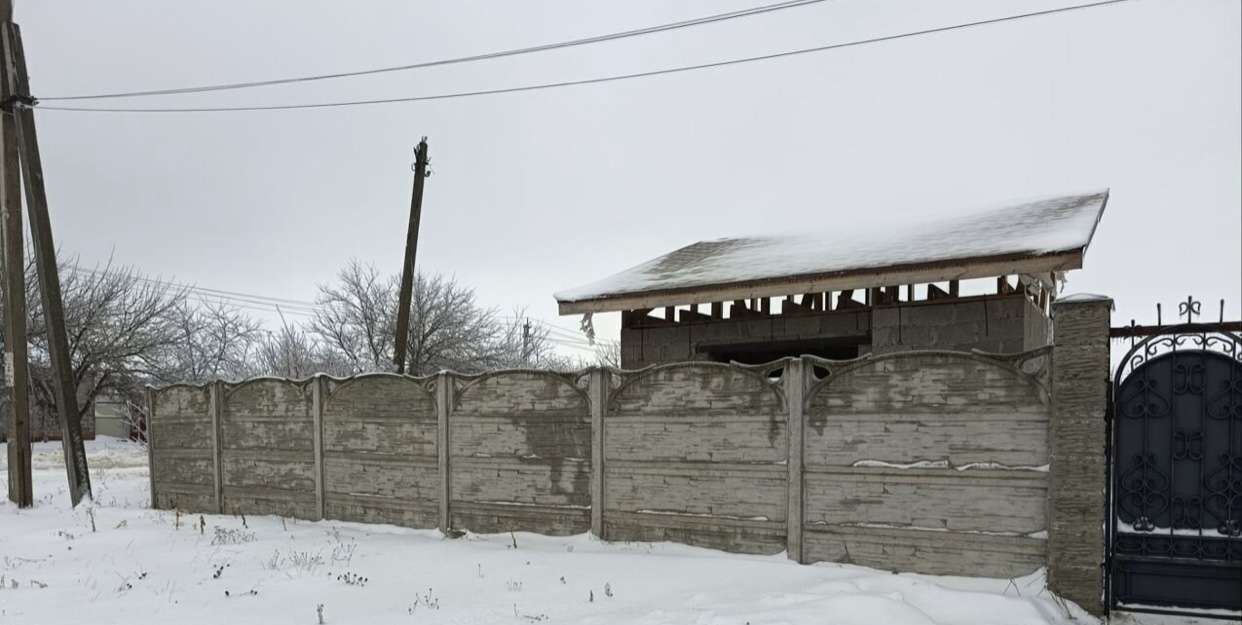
(997, 324)
(934, 462)
(994, 323)
(662, 342)
(695, 453)
(520, 453)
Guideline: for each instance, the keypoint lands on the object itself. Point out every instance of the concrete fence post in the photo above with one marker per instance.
(598, 392)
(319, 393)
(795, 381)
(1077, 441)
(216, 407)
(444, 403)
(149, 424)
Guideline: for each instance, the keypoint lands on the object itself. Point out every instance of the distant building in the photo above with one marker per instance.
(44, 425)
(113, 417)
(847, 293)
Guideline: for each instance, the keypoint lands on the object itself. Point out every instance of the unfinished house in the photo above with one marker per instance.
(849, 292)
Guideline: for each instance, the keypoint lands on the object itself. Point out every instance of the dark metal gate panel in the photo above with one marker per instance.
(1176, 492)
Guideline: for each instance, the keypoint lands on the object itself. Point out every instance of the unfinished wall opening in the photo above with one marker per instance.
(758, 352)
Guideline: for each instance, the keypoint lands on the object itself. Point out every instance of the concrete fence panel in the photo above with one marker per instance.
(182, 452)
(695, 453)
(520, 453)
(933, 462)
(379, 450)
(266, 449)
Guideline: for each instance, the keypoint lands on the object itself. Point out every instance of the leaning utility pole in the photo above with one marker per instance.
(21, 490)
(525, 342)
(17, 104)
(411, 248)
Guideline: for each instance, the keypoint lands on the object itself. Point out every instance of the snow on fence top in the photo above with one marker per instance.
(1033, 237)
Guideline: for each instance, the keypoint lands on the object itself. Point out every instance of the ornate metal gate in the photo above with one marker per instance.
(1176, 473)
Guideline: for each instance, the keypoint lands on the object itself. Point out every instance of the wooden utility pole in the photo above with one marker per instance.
(18, 105)
(21, 490)
(525, 341)
(411, 248)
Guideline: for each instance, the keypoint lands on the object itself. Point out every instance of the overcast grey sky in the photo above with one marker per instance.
(541, 191)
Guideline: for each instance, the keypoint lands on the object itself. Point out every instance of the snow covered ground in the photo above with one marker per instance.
(115, 561)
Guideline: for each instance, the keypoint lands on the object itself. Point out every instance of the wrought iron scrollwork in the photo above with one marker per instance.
(1223, 343)
(1224, 495)
(1187, 445)
(1147, 402)
(1188, 378)
(1143, 492)
(1228, 403)
(1177, 482)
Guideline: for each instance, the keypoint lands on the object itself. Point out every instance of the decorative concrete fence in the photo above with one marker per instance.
(935, 462)
(928, 461)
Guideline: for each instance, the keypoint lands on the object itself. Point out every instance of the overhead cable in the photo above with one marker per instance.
(698, 21)
(590, 81)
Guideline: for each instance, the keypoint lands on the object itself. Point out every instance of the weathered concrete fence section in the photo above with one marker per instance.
(939, 459)
(930, 461)
(935, 462)
(519, 453)
(696, 453)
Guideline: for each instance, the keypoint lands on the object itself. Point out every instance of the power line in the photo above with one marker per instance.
(244, 300)
(583, 347)
(231, 296)
(297, 302)
(254, 301)
(551, 327)
(590, 81)
(561, 333)
(584, 344)
(277, 300)
(302, 308)
(259, 308)
(247, 299)
(698, 21)
(261, 303)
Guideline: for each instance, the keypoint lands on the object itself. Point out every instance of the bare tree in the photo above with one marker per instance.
(356, 318)
(294, 352)
(127, 330)
(608, 354)
(212, 340)
(448, 328)
(117, 323)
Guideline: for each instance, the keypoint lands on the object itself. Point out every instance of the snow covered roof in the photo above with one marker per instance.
(1032, 237)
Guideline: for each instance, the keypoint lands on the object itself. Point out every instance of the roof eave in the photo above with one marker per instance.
(915, 273)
